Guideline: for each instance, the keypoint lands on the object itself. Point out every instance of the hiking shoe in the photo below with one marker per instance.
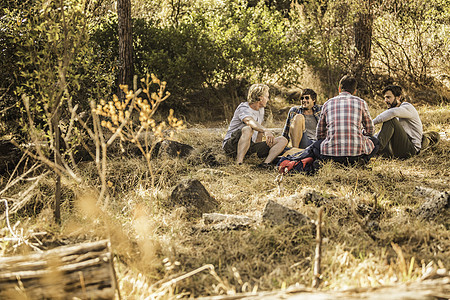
(434, 138)
(430, 139)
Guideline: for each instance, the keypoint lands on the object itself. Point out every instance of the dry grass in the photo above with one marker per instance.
(154, 243)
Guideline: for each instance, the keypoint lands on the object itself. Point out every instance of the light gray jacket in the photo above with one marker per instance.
(409, 118)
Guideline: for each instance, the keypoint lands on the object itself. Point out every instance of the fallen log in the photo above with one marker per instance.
(83, 271)
(432, 289)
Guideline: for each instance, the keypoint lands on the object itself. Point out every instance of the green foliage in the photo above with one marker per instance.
(255, 42)
(208, 44)
(9, 24)
(52, 61)
(196, 44)
(185, 54)
(328, 26)
(49, 39)
(409, 41)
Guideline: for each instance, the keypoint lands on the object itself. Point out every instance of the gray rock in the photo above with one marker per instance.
(227, 227)
(279, 214)
(172, 149)
(425, 192)
(223, 222)
(312, 196)
(209, 218)
(194, 197)
(436, 203)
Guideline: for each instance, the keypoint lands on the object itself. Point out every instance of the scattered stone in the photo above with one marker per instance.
(373, 226)
(210, 171)
(193, 195)
(227, 227)
(208, 158)
(425, 192)
(218, 221)
(210, 218)
(279, 214)
(312, 196)
(224, 222)
(171, 148)
(436, 203)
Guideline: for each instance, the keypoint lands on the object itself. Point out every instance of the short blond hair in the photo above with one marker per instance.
(255, 92)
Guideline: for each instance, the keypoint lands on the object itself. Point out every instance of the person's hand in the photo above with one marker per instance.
(270, 139)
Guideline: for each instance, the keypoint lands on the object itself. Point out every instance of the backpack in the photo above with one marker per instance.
(299, 162)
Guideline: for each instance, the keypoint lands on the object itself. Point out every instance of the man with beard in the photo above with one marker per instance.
(401, 132)
(302, 120)
(245, 132)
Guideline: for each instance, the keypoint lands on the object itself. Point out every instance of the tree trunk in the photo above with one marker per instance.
(83, 271)
(57, 153)
(363, 44)
(126, 69)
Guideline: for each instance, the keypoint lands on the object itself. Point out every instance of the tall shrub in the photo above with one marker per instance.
(54, 60)
(411, 42)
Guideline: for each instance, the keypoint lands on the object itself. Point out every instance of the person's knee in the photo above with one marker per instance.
(390, 123)
(247, 132)
(298, 119)
(281, 140)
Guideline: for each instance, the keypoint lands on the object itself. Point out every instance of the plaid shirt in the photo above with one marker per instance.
(299, 110)
(345, 124)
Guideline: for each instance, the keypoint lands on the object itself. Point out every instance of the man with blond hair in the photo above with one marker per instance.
(245, 132)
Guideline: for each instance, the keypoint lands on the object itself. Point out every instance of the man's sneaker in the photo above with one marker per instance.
(434, 137)
(430, 139)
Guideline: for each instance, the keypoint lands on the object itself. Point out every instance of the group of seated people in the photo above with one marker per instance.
(340, 130)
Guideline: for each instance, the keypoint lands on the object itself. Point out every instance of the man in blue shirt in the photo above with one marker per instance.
(302, 120)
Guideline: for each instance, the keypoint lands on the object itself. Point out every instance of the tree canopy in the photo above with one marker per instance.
(196, 45)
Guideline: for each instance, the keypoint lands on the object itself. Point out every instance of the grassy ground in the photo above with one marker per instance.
(154, 242)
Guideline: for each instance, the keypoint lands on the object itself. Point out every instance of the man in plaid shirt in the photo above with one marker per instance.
(345, 128)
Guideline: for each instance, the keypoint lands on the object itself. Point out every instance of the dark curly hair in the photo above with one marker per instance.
(311, 93)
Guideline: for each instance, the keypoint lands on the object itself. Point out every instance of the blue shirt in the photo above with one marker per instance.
(299, 110)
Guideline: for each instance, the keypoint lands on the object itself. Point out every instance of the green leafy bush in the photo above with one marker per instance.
(40, 41)
(210, 47)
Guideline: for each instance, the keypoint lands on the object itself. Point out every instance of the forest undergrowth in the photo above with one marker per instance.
(372, 235)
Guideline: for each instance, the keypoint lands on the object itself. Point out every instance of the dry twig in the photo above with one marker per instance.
(318, 258)
(165, 287)
(16, 238)
(279, 182)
